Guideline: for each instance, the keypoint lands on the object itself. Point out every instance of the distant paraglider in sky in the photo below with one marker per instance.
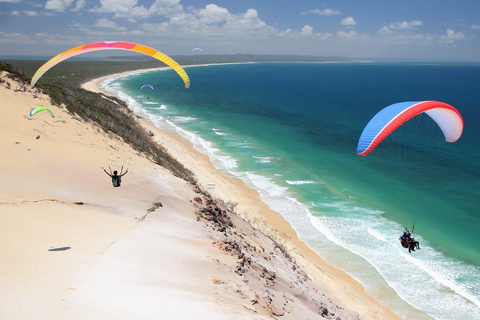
(106, 45)
(197, 50)
(390, 118)
(36, 110)
(147, 86)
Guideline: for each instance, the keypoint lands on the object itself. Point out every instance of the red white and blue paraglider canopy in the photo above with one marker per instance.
(390, 118)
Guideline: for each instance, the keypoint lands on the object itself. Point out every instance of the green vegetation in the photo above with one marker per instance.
(109, 113)
(74, 73)
(15, 72)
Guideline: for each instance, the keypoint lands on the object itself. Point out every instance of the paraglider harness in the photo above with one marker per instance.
(116, 178)
(408, 241)
(116, 181)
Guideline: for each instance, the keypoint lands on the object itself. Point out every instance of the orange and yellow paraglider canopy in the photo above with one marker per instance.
(111, 45)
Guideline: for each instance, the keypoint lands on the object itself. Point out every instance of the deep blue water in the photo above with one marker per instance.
(290, 131)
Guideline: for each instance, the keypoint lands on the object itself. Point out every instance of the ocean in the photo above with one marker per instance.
(290, 131)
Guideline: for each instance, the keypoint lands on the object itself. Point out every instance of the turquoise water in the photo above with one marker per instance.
(290, 131)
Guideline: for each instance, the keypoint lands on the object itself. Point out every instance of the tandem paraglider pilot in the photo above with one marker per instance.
(116, 178)
(408, 241)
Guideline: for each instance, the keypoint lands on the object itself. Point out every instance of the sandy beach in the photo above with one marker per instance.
(74, 247)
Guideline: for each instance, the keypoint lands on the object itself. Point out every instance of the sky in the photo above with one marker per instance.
(433, 30)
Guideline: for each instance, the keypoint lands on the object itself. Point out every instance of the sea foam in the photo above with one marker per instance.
(300, 182)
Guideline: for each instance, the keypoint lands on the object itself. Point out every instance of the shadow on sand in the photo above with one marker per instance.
(60, 249)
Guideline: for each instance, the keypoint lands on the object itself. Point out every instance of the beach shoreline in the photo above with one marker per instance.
(77, 248)
(253, 209)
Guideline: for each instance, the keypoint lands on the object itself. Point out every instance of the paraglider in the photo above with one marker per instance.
(197, 49)
(387, 120)
(106, 45)
(390, 118)
(146, 85)
(116, 178)
(408, 242)
(36, 110)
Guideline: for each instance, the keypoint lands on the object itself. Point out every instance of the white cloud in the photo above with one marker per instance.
(11, 1)
(348, 21)
(389, 37)
(141, 12)
(475, 26)
(251, 14)
(115, 6)
(210, 22)
(12, 38)
(324, 12)
(422, 39)
(79, 5)
(247, 24)
(137, 33)
(167, 8)
(400, 26)
(105, 23)
(306, 31)
(286, 32)
(215, 22)
(352, 35)
(58, 5)
(342, 35)
(65, 40)
(404, 25)
(128, 9)
(451, 37)
(213, 14)
(384, 30)
(123, 9)
(324, 36)
(9, 13)
(30, 13)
